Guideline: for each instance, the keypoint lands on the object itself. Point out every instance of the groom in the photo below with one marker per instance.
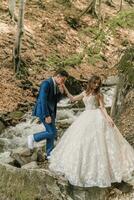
(50, 93)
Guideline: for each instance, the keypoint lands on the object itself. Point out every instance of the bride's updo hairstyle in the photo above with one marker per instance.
(90, 85)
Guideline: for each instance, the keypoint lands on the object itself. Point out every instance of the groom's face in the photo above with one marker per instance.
(60, 79)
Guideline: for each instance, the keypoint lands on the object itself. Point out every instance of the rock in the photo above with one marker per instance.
(75, 86)
(16, 115)
(126, 81)
(2, 144)
(23, 156)
(31, 165)
(31, 184)
(11, 118)
(6, 158)
(2, 126)
(40, 155)
(126, 65)
(42, 184)
(111, 80)
(24, 106)
(93, 193)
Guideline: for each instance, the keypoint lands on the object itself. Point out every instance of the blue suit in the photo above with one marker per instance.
(46, 105)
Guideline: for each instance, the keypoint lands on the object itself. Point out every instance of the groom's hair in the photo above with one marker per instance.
(62, 73)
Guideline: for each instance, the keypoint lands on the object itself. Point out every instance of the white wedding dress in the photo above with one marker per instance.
(91, 152)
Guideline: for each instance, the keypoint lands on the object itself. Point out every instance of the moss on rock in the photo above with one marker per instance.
(126, 65)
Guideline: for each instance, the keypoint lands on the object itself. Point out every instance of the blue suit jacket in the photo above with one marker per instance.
(46, 103)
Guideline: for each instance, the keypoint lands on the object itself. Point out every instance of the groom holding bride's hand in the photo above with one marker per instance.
(50, 93)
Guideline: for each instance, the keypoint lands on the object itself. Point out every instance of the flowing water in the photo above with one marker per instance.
(14, 137)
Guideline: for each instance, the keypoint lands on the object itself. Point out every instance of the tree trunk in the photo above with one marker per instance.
(90, 8)
(93, 8)
(20, 30)
(11, 7)
(99, 10)
(120, 5)
(114, 103)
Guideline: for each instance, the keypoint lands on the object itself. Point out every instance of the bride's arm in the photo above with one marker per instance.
(103, 109)
(71, 97)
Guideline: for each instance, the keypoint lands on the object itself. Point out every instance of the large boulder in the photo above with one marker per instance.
(23, 156)
(41, 184)
(125, 83)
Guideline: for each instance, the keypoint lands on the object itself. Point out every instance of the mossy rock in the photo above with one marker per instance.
(2, 144)
(126, 65)
(2, 126)
(41, 184)
(16, 115)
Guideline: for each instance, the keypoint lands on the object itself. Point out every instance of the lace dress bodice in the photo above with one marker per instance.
(90, 102)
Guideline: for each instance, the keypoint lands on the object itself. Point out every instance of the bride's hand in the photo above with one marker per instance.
(71, 98)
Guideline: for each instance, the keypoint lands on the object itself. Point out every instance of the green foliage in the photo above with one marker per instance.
(97, 34)
(53, 61)
(72, 61)
(56, 38)
(98, 38)
(93, 59)
(124, 19)
(93, 50)
(93, 53)
(57, 61)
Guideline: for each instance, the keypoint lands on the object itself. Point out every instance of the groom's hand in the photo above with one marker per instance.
(48, 120)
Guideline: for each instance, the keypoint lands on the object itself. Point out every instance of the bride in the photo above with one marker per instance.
(92, 151)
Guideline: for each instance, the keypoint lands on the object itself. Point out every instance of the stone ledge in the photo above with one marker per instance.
(41, 184)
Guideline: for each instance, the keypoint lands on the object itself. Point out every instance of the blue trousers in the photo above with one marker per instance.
(49, 134)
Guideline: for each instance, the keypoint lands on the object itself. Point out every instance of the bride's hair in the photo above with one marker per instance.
(92, 81)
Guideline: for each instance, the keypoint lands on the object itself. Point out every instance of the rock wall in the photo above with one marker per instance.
(126, 81)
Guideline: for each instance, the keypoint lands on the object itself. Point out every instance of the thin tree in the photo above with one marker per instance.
(91, 8)
(121, 2)
(18, 40)
(11, 8)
